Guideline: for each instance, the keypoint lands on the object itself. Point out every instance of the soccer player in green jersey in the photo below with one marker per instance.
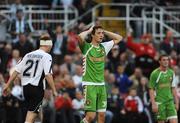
(162, 90)
(94, 53)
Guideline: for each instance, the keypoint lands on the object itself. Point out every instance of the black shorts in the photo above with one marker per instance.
(33, 96)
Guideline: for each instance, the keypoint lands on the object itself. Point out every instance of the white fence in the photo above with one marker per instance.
(151, 19)
(37, 15)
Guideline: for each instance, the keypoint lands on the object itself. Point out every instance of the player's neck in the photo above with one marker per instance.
(94, 43)
(43, 48)
(164, 69)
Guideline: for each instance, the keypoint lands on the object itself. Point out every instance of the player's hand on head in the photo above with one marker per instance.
(91, 28)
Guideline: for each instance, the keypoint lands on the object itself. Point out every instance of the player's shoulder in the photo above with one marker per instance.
(27, 54)
(42, 53)
(155, 71)
(47, 55)
(87, 43)
(171, 71)
(109, 41)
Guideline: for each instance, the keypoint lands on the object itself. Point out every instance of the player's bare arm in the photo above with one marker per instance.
(50, 81)
(115, 37)
(152, 98)
(11, 79)
(83, 35)
(175, 98)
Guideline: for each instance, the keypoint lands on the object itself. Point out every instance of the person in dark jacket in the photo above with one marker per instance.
(59, 48)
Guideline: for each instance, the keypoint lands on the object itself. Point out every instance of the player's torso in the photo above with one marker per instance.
(32, 70)
(164, 86)
(94, 64)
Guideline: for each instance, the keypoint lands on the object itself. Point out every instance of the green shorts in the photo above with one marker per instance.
(95, 98)
(166, 111)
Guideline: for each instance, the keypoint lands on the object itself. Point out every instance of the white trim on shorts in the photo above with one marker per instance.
(92, 83)
(172, 117)
(101, 110)
(38, 106)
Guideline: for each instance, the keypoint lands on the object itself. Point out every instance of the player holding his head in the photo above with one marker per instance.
(94, 53)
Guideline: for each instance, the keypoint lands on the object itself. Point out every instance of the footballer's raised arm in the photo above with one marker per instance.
(115, 37)
(83, 35)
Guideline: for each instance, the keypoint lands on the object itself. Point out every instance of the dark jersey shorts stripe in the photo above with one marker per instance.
(33, 96)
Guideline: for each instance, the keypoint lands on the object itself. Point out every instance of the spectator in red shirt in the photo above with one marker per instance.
(145, 53)
(144, 47)
(63, 105)
(133, 107)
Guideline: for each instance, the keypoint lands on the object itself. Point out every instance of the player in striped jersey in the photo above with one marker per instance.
(94, 54)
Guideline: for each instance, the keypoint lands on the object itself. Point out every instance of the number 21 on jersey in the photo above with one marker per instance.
(29, 71)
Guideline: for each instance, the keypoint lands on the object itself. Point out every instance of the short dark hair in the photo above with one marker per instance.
(95, 28)
(163, 55)
(45, 37)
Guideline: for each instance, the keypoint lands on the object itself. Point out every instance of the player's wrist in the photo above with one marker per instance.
(88, 32)
(8, 84)
(55, 93)
(153, 102)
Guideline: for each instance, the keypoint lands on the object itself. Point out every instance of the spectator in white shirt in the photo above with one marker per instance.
(78, 105)
(77, 78)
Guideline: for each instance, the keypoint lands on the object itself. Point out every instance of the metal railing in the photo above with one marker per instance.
(37, 15)
(153, 19)
(159, 21)
(127, 18)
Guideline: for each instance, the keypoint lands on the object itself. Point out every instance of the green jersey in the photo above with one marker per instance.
(162, 83)
(94, 62)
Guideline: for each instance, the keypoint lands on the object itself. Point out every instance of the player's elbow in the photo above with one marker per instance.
(118, 39)
(48, 76)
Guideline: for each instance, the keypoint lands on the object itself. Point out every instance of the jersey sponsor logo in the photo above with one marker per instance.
(94, 59)
(164, 85)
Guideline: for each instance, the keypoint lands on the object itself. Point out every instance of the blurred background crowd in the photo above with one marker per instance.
(127, 70)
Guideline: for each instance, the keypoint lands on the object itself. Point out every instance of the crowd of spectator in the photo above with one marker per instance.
(127, 71)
